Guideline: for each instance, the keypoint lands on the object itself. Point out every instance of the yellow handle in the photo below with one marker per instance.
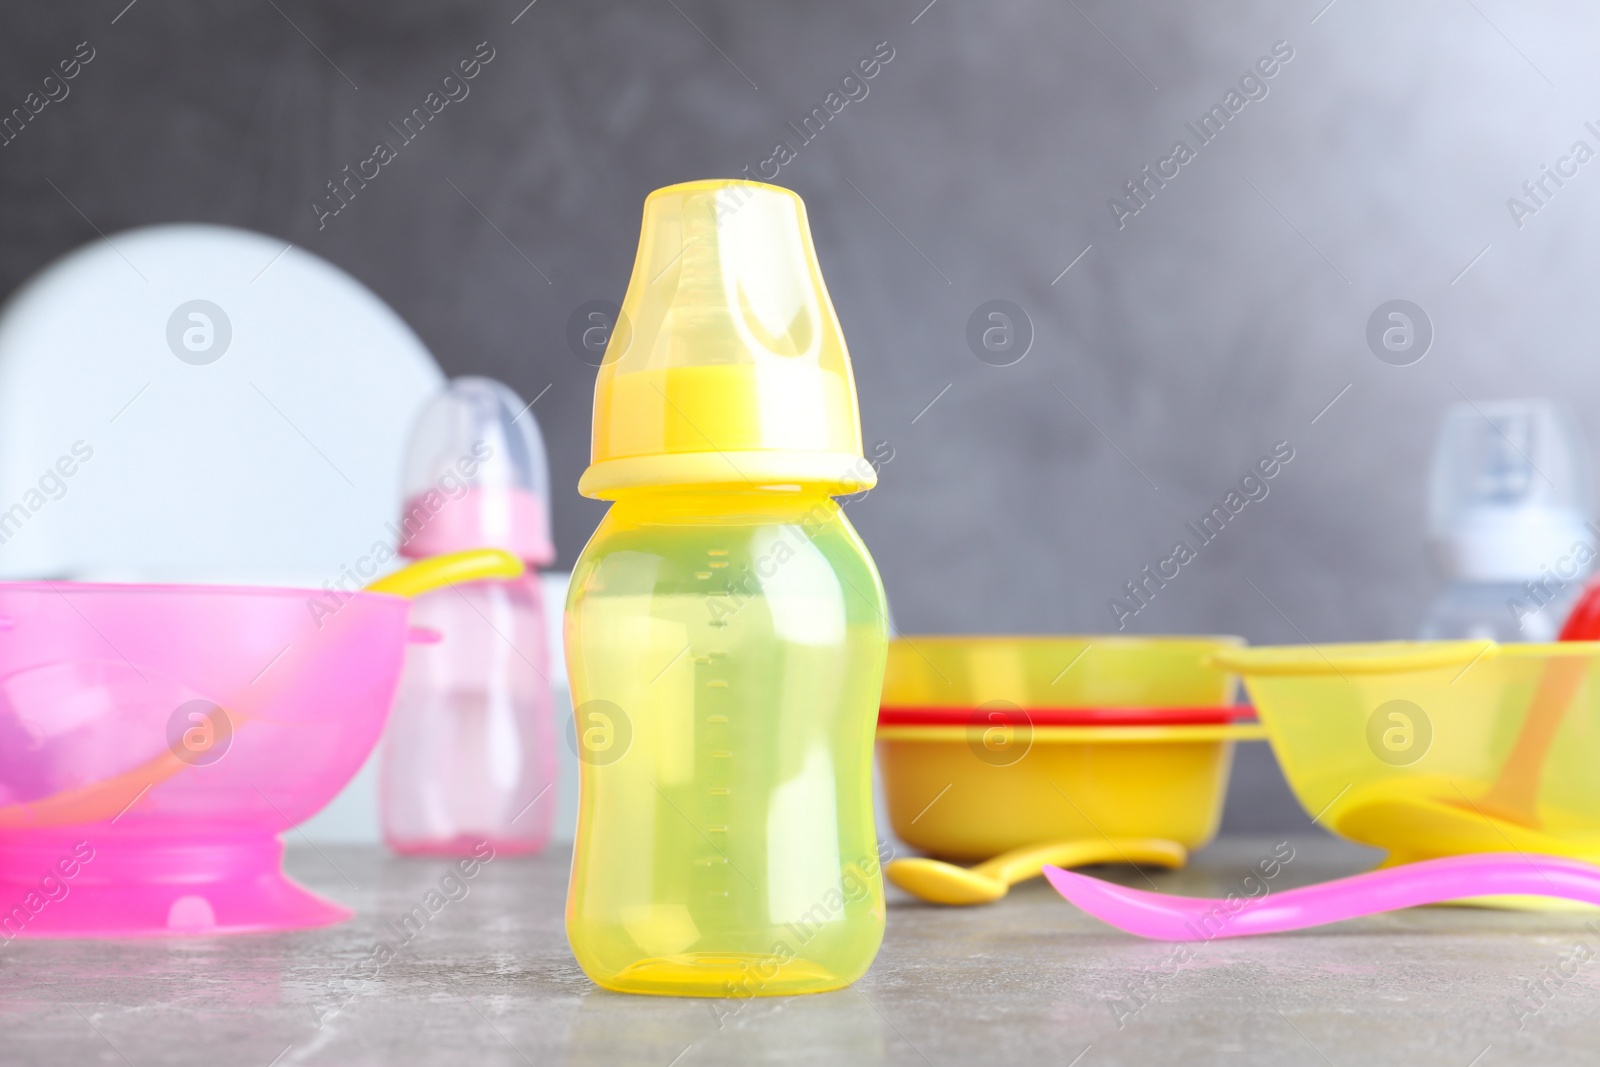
(1020, 864)
(424, 576)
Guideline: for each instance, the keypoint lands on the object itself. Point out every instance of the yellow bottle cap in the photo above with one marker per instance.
(727, 366)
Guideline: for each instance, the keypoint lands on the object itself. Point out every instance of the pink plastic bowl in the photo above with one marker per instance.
(156, 740)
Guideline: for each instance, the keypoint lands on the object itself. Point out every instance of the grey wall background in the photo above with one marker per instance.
(1221, 319)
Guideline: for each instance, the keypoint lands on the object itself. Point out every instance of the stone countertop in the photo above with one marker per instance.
(489, 980)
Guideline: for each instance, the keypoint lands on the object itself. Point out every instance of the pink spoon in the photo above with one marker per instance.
(1164, 917)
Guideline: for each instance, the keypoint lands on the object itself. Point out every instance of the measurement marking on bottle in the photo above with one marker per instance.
(716, 552)
(703, 575)
(716, 816)
(719, 563)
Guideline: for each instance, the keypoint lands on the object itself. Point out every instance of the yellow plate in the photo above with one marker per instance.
(1092, 670)
(969, 793)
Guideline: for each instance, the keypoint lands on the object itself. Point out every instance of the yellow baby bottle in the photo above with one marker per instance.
(725, 629)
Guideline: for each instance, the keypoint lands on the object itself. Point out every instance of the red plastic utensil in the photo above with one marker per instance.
(1583, 623)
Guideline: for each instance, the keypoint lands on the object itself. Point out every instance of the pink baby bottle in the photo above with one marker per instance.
(470, 751)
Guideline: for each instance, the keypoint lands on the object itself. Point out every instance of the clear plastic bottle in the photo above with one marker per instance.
(469, 755)
(1509, 512)
(725, 629)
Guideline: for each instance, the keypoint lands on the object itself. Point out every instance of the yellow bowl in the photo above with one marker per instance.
(972, 790)
(1438, 748)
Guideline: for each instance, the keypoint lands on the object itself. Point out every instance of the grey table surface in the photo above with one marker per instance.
(489, 980)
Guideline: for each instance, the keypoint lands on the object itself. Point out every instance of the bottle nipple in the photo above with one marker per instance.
(730, 367)
(476, 476)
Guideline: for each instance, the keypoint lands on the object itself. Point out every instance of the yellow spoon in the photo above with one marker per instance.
(436, 572)
(944, 883)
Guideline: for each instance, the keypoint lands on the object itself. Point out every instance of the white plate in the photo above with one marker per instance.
(254, 438)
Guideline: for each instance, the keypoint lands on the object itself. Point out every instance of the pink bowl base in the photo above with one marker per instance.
(142, 887)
